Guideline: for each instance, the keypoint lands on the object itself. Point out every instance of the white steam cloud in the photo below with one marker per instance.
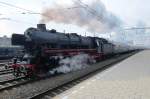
(74, 63)
(93, 16)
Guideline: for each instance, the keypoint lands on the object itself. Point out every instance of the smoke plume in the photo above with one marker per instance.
(74, 63)
(93, 16)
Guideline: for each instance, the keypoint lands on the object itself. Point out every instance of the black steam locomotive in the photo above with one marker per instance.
(45, 48)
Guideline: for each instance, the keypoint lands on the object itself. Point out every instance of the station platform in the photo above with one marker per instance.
(129, 79)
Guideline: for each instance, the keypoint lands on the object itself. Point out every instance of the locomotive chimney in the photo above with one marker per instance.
(41, 27)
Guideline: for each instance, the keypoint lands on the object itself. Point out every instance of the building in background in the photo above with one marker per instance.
(7, 51)
(143, 41)
(5, 41)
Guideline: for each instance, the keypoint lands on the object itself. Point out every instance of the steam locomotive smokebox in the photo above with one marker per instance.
(41, 27)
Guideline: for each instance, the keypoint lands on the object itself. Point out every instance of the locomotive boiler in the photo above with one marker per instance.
(45, 48)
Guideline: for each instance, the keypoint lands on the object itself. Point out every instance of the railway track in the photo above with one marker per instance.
(5, 61)
(6, 71)
(11, 80)
(8, 84)
(51, 92)
(5, 64)
(16, 82)
(2, 61)
(5, 67)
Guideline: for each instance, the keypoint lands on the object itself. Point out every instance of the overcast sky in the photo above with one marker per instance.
(130, 12)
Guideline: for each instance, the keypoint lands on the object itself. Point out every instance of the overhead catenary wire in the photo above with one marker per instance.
(92, 11)
(15, 20)
(79, 2)
(17, 7)
(27, 12)
(31, 11)
(14, 6)
(137, 28)
(89, 9)
(85, 6)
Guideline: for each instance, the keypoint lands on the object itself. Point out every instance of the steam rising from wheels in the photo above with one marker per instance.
(74, 63)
